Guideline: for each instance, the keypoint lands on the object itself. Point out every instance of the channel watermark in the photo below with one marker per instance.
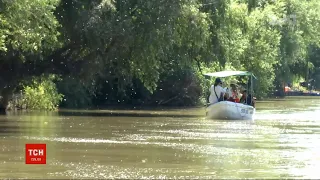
(36, 154)
(290, 20)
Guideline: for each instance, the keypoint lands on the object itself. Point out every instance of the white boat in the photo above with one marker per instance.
(227, 110)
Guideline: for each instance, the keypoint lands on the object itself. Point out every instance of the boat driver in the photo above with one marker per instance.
(217, 92)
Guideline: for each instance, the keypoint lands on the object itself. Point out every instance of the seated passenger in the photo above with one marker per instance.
(247, 99)
(244, 97)
(216, 92)
(233, 93)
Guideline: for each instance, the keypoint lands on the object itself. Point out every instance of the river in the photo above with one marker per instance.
(282, 142)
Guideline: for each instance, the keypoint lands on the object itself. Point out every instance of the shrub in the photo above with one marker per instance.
(41, 94)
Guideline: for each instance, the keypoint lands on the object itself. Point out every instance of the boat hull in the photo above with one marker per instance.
(226, 110)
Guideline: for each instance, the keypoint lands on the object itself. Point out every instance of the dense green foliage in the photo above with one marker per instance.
(41, 93)
(155, 52)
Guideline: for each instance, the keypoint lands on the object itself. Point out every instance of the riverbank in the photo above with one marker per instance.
(158, 111)
(302, 94)
(295, 93)
(114, 108)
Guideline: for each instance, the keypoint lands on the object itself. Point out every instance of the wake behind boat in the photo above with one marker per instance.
(227, 110)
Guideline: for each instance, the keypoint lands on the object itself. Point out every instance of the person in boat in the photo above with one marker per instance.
(244, 97)
(217, 92)
(233, 93)
(247, 99)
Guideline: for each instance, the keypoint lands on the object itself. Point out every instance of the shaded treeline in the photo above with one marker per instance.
(151, 52)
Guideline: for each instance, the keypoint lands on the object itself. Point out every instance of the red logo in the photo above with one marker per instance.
(36, 154)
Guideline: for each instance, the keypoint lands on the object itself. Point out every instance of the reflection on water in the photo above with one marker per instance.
(283, 142)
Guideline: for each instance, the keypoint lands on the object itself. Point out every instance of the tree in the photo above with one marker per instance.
(297, 35)
(28, 33)
(129, 40)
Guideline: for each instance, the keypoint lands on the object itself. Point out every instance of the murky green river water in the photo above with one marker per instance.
(283, 142)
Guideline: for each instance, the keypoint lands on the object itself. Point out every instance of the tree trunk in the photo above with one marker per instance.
(6, 94)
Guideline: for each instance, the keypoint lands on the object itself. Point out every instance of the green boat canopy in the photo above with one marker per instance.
(230, 73)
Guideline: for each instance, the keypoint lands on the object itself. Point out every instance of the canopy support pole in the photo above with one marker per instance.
(251, 89)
